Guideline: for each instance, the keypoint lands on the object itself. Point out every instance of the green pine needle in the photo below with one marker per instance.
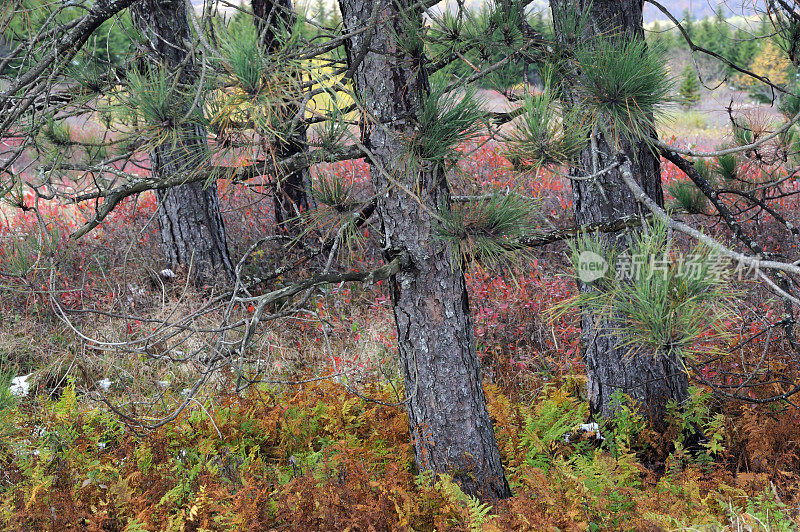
(488, 230)
(333, 192)
(245, 60)
(743, 134)
(445, 121)
(546, 134)
(623, 84)
(58, 133)
(688, 198)
(156, 98)
(665, 307)
(727, 167)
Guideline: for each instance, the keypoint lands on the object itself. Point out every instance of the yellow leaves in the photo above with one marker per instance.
(121, 492)
(772, 63)
(200, 502)
(35, 491)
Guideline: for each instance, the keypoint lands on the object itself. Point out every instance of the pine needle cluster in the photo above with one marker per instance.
(669, 303)
(488, 230)
(258, 89)
(623, 84)
(445, 121)
(687, 196)
(545, 133)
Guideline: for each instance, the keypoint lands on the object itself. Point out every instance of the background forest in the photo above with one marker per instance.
(395, 265)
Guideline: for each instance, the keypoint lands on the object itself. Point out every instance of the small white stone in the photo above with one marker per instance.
(20, 385)
(592, 427)
(104, 384)
(136, 290)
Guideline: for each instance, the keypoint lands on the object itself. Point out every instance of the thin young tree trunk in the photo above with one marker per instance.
(189, 216)
(292, 194)
(450, 425)
(652, 379)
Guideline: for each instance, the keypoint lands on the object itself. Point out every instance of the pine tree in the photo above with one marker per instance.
(189, 215)
(446, 406)
(321, 12)
(689, 89)
(602, 89)
(292, 197)
(616, 55)
(689, 24)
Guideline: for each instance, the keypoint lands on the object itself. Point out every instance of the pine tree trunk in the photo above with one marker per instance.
(189, 216)
(292, 192)
(450, 425)
(651, 379)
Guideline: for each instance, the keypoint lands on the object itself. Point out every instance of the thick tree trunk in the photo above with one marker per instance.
(649, 378)
(450, 425)
(292, 193)
(192, 230)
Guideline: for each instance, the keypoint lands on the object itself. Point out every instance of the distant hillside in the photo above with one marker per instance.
(699, 8)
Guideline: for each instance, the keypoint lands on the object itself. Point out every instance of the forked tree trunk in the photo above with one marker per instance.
(648, 378)
(189, 217)
(292, 193)
(450, 425)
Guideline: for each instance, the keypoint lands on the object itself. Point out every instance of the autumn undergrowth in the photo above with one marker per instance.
(317, 458)
(302, 452)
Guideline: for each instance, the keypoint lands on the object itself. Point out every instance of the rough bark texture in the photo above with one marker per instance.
(292, 195)
(192, 231)
(450, 425)
(651, 379)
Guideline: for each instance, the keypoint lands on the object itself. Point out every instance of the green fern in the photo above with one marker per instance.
(67, 405)
(7, 399)
(477, 513)
(557, 414)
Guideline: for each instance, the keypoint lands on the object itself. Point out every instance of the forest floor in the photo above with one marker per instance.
(306, 451)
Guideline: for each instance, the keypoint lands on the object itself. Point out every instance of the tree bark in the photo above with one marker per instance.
(292, 193)
(189, 216)
(651, 379)
(450, 425)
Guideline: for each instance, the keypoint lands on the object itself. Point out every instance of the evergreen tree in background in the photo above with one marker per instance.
(689, 89)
